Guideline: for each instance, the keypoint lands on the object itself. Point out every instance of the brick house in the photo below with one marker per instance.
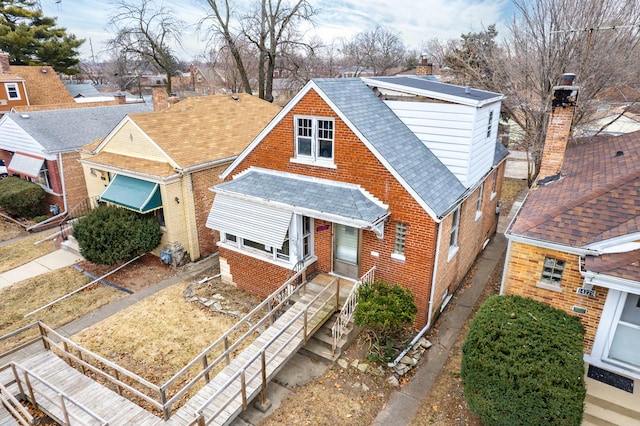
(29, 86)
(42, 147)
(357, 173)
(163, 162)
(574, 244)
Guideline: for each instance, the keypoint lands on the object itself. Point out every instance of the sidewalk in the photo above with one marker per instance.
(56, 260)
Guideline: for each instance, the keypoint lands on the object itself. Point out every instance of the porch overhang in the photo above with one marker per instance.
(26, 165)
(134, 194)
(336, 202)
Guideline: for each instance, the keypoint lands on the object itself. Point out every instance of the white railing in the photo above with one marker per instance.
(349, 307)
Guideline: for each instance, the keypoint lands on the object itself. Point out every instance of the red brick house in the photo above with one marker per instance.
(575, 244)
(403, 174)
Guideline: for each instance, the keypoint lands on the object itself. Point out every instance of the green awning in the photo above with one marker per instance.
(134, 194)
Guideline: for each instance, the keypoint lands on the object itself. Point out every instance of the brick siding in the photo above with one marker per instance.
(354, 164)
(524, 269)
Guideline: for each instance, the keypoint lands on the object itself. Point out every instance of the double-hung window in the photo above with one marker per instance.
(314, 139)
(12, 91)
(490, 124)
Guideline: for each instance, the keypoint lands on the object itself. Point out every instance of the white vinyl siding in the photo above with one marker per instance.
(456, 134)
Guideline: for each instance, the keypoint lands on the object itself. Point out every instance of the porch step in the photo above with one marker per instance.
(71, 244)
(319, 346)
(608, 406)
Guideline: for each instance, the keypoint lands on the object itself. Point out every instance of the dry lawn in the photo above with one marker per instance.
(22, 251)
(159, 335)
(29, 295)
(10, 230)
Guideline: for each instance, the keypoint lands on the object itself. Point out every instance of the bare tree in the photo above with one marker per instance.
(596, 39)
(147, 30)
(379, 50)
(269, 27)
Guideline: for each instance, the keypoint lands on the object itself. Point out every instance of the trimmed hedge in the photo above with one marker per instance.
(108, 235)
(21, 198)
(522, 364)
(384, 306)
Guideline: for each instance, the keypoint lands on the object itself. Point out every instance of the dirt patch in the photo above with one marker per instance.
(140, 274)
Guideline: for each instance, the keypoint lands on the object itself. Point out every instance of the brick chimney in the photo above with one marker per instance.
(559, 127)
(120, 98)
(424, 67)
(159, 98)
(4, 63)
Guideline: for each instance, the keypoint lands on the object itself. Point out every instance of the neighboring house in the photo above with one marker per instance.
(29, 85)
(575, 244)
(194, 81)
(162, 163)
(403, 174)
(41, 146)
(284, 89)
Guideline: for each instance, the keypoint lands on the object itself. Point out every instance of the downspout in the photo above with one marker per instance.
(430, 313)
(64, 198)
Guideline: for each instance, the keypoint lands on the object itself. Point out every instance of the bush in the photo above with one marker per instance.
(385, 309)
(21, 198)
(108, 235)
(522, 364)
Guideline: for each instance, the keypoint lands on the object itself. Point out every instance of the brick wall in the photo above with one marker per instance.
(74, 181)
(203, 199)
(355, 164)
(524, 269)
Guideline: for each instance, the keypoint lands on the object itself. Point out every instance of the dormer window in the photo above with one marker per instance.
(314, 140)
(12, 91)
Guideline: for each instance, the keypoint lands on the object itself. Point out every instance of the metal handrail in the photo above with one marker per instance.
(240, 372)
(348, 309)
(58, 392)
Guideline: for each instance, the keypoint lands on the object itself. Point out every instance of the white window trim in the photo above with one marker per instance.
(494, 184)
(295, 246)
(314, 159)
(15, 86)
(453, 248)
(479, 202)
(547, 286)
(490, 124)
(398, 256)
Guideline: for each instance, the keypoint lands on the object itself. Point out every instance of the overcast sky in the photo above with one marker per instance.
(416, 20)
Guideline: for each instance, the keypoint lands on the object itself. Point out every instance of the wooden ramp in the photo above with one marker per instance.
(84, 395)
(224, 397)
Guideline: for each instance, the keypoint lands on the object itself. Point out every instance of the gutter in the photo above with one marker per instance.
(206, 165)
(429, 315)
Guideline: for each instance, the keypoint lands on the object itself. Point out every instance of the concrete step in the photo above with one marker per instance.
(71, 245)
(319, 346)
(600, 416)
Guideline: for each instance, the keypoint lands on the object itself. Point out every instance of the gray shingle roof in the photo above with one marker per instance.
(500, 153)
(82, 89)
(69, 129)
(346, 201)
(428, 84)
(399, 146)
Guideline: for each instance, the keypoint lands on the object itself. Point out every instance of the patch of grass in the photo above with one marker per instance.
(22, 251)
(29, 295)
(159, 335)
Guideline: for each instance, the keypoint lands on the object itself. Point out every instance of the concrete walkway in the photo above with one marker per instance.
(52, 261)
(404, 403)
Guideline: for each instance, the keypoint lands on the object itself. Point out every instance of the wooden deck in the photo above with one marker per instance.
(218, 402)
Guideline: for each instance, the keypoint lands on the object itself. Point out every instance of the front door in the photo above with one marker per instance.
(346, 251)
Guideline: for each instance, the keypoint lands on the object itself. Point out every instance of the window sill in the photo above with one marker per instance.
(257, 255)
(452, 252)
(478, 215)
(398, 256)
(548, 286)
(310, 162)
(493, 195)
